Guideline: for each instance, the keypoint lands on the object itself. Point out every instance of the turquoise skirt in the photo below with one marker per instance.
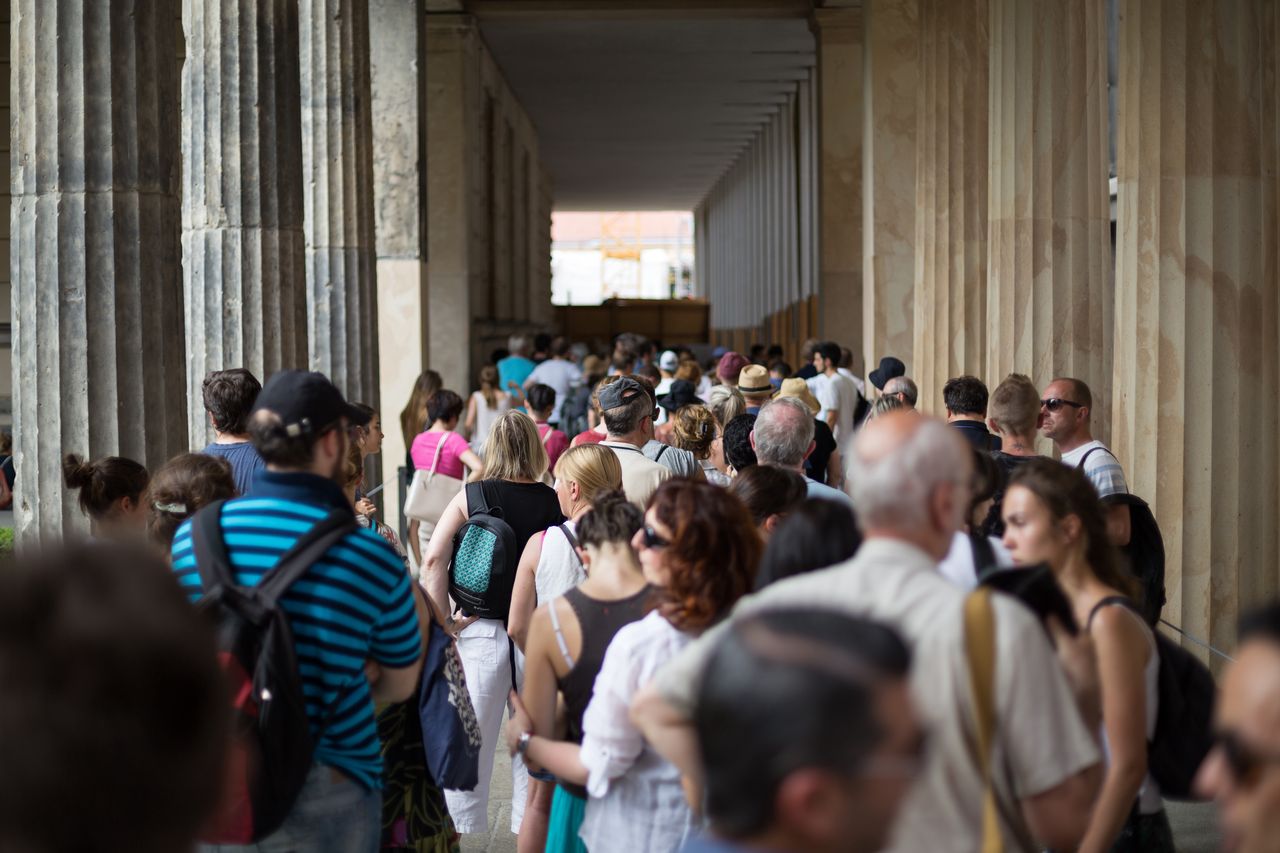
(566, 817)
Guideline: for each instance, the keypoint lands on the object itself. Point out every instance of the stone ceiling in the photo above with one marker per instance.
(645, 110)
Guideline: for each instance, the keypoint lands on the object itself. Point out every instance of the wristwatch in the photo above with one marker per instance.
(522, 745)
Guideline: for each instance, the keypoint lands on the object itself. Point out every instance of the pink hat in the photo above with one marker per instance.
(731, 364)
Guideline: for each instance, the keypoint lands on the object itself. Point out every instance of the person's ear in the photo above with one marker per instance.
(752, 437)
(809, 806)
(212, 423)
(575, 491)
(1071, 527)
(812, 446)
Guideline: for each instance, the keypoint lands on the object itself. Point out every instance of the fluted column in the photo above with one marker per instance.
(1049, 301)
(889, 179)
(337, 170)
(1197, 358)
(951, 196)
(242, 242)
(97, 299)
(838, 33)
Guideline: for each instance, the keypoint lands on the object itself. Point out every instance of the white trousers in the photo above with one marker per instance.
(486, 661)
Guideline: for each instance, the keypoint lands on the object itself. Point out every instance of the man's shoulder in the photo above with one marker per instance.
(822, 491)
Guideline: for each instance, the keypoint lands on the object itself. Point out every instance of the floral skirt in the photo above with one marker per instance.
(414, 815)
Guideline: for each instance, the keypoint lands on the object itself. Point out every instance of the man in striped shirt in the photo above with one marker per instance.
(352, 613)
(1065, 413)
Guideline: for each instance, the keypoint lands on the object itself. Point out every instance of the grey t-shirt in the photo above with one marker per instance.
(681, 463)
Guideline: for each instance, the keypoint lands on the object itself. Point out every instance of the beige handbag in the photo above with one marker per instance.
(430, 493)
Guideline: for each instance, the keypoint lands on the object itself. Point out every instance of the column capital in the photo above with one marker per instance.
(837, 25)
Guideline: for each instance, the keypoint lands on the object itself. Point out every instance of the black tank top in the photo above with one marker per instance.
(598, 622)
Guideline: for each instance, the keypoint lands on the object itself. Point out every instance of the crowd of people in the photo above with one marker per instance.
(721, 604)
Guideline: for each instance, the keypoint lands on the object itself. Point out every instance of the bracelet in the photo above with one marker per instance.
(522, 743)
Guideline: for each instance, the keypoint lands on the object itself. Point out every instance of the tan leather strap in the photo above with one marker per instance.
(980, 647)
(435, 461)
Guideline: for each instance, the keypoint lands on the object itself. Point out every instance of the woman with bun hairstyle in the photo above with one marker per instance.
(183, 486)
(111, 491)
(569, 635)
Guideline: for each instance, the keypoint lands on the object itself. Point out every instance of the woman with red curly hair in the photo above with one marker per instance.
(698, 549)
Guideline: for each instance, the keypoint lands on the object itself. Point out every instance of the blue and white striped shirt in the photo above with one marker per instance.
(352, 605)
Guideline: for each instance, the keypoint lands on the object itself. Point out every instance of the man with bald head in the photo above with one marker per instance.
(1242, 772)
(910, 480)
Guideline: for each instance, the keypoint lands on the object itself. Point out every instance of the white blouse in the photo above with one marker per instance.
(559, 567)
(636, 801)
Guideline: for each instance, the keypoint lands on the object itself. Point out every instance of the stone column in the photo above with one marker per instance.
(97, 300)
(838, 33)
(890, 82)
(456, 227)
(242, 240)
(1197, 358)
(1049, 304)
(337, 169)
(951, 196)
(399, 170)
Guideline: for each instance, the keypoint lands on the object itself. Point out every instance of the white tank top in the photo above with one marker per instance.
(559, 569)
(1149, 800)
(485, 419)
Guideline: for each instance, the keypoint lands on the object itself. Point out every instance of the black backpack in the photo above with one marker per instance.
(1145, 552)
(1184, 717)
(482, 570)
(271, 747)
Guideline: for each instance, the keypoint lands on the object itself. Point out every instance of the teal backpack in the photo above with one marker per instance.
(482, 570)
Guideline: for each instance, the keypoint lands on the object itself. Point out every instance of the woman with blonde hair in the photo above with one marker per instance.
(725, 403)
(550, 563)
(695, 430)
(485, 406)
(515, 462)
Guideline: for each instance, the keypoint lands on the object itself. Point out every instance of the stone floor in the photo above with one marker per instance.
(1194, 829)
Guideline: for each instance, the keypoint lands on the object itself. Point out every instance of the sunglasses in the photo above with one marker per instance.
(652, 539)
(1244, 762)
(1053, 404)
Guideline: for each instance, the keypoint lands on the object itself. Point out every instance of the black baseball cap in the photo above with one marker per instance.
(306, 402)
(618, 393)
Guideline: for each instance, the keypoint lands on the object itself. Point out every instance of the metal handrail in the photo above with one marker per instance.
(1198, 641)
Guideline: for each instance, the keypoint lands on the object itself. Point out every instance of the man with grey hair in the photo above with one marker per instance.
(911, 485)
(783, 437)
(904, 388)
(515, 368)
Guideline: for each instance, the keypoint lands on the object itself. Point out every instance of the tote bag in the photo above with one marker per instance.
(430, 492)
(450, 730)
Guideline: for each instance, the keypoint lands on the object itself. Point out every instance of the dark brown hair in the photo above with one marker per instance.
(183, 486)
(229, 396)
(444, 406)
(413, 418)
(113, 701)
(713, 554)
(1065, 491)
(103, 482)
(767, 490)
(612, 518)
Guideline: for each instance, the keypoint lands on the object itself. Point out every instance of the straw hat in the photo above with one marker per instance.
(798, 388)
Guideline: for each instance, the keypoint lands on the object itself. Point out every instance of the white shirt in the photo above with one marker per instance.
(1041, 740)
(560, 375)
(958, 566)
(559, 567)
(839, 394)
(856, 380)
(636, 802)
(486, 418)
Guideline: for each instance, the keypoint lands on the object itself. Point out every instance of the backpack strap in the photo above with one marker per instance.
(980, 649)
(212, 561)
(476, 502)
(664, 449)
(1110, 600)
(309, 548)
(1090, 452)
(573, 542)
(984, 556)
